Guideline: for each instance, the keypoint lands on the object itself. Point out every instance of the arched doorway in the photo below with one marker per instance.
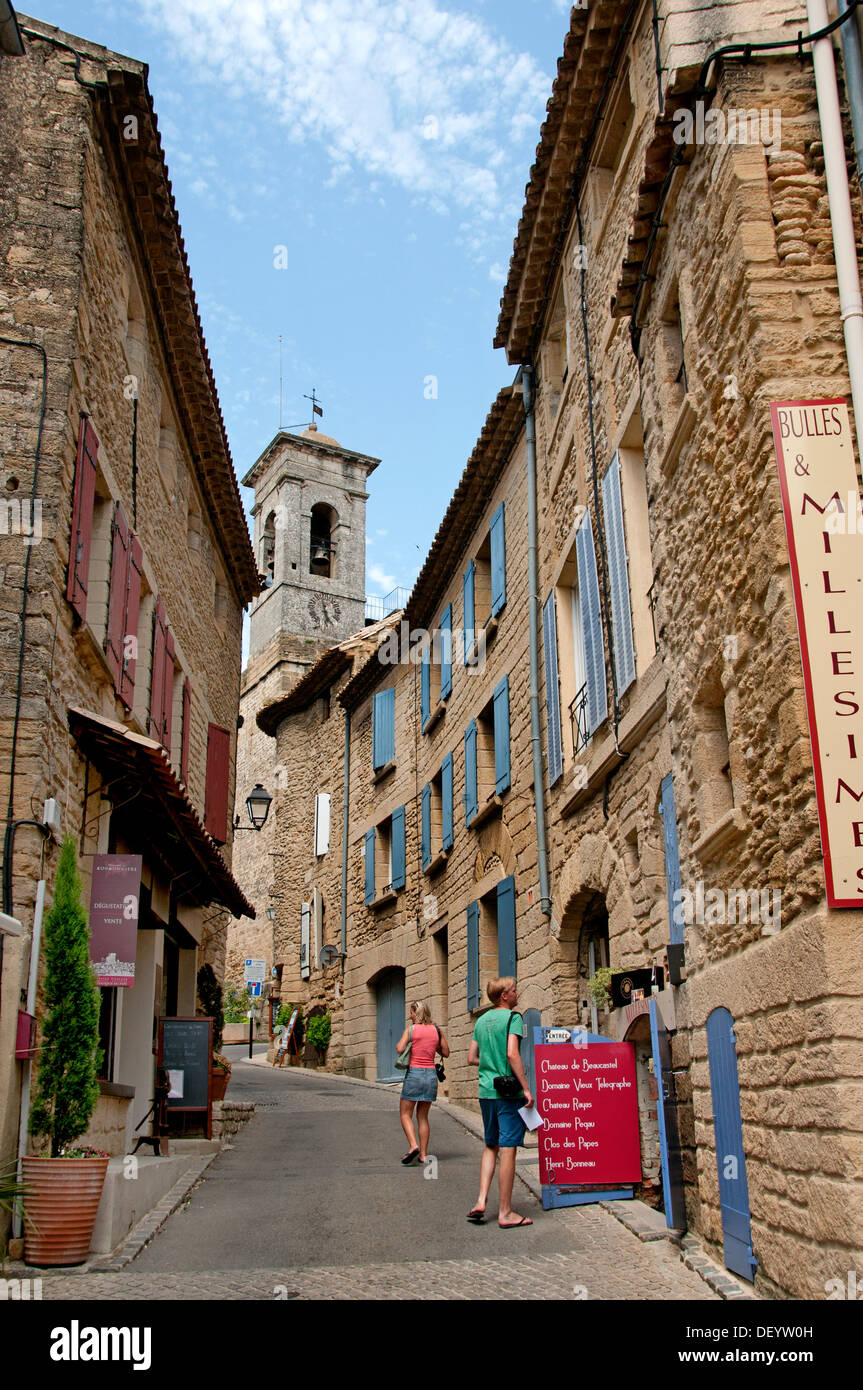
(390, 1003)
(582, 949)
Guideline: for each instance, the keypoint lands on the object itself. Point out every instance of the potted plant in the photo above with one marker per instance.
(318, 1032)
(599, 988)
(210, 995)
(65, 1188)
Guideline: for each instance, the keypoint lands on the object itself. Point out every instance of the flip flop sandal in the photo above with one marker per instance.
(476, 1217)
(411, 1157)
(514, 1225)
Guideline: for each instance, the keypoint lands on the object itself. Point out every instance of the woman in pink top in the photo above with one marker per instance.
(420, 1083)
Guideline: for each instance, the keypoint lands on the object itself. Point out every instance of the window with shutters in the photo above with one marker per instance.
(160, 720)
(487, 758)
(436, 806)
(385, 860)
(484, 589)
(576, 620)
(491, 930)
(384, 732)
(639, 559)
(322, 824)
(623, 643)
(436, 672)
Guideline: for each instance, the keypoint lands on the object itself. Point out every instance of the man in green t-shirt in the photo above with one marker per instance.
(494, 1049)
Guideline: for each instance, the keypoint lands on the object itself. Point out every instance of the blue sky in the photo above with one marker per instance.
(385, 146)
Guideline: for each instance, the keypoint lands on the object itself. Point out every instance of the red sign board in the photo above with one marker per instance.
(115, 893)
(588, 1099)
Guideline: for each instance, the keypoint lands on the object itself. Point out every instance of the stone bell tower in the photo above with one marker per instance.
(310, 542)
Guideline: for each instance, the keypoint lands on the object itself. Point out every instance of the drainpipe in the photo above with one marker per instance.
(844, 246)
(853, 79)
(24, 1121)
(345, 831)
(533, 614)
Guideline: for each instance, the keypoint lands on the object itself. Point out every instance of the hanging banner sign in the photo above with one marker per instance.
(115, 895)
(587, 1095)
(824, 527)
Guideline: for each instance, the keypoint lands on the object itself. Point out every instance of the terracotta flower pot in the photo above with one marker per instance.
(61, 1208)
(219, 1083)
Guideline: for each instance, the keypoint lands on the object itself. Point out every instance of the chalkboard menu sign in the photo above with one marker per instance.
(186, 1054)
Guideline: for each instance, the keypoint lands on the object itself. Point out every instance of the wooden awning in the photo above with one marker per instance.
(158, 819)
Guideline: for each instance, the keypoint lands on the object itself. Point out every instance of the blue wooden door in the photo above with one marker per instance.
(391, 1022)
(532, 1021)
(728, 1134)
(666, 1114)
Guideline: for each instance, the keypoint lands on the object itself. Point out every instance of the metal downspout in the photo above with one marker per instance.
(854, 79)
(844, 243)
(533, 616)
(345, 826)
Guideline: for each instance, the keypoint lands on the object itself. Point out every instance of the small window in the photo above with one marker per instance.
(484, 586)
(491, 939)
(436, 672)
(268, 549)
(437, 817)
(487, 756)
(384, 852)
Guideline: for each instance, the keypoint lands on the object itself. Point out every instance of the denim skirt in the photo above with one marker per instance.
(420, 1083)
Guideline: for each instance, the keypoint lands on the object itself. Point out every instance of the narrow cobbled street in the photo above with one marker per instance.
(311, 1202)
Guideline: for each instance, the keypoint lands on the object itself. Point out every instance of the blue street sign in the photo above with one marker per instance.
(255, 990)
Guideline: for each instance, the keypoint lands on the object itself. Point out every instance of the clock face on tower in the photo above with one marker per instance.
(324, 611)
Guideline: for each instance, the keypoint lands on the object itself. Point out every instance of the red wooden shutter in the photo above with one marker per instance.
(218, 774)
(168, 696)
(157, 677)
(117, 595)
(184, 744)
(83, 499)
(130, 625)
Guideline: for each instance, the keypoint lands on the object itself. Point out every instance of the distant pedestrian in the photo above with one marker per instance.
(421, 1079)
(495, 1050)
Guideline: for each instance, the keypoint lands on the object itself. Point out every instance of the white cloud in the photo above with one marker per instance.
(412, 93)
(376, 574)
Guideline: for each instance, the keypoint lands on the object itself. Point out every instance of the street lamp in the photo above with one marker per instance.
(258, 807)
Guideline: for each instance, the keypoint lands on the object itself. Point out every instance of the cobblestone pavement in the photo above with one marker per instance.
(311, 1203)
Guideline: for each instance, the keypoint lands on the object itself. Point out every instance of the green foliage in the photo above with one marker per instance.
(283, 1018)
(67, 1089)
(12, 1194)
(236, 1004)
(599, 987)
(319, 1030)
(210, 995)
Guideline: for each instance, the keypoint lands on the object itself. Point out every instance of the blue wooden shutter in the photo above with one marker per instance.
(591, 622)
(498, 562)
(398, 847)
(501, 737)
(469, 619)
(728, 1136)
(370, 866)
(446, 798)
(446, 653)
(474, 993)
(470, 802)
(506, 955)
(426, 826)
(383, 728)
(552, 691)
(618, 573)
(672, 857)
(425, 688)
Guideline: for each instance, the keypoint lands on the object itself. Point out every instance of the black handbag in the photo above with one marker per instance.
(508, 1087)
(438, 1066)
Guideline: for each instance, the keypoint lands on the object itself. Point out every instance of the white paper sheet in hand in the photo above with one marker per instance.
(531, 1117)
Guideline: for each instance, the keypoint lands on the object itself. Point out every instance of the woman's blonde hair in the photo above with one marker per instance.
(423, 1012)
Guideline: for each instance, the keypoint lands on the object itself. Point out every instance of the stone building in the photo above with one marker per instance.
(667, 285)
(126, 560)
(310, 543)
